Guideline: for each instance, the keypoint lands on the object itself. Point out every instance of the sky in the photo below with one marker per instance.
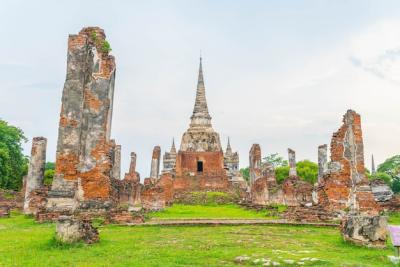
(278, 73)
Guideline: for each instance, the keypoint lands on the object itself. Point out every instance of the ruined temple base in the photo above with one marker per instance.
(309, 214)
(158, 194)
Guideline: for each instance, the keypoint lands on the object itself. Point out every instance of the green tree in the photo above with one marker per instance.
(49, 171)
(391, 167)
(281, 173)
(382, 176)
(13, 163)
(275, 160)
(396, 185)
(245, 173)
(307, 170)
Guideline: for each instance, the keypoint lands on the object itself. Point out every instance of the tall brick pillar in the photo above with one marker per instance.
(292, 163)
(255, 163)
(116, 168)
(37, 162)
(322, 161)
(83, 162)
(155, 162)
(132, 175)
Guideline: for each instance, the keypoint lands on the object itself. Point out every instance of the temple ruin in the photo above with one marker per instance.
(344, 184)
(169, 159)
(83, 165)
(132, 175)
(88, 178)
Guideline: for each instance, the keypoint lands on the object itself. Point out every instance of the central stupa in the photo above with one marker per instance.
(200, 151)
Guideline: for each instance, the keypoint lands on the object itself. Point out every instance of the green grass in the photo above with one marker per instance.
(26, 243)
(227, 211)
(394, 218)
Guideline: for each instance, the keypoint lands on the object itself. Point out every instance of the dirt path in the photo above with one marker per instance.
(230, 222)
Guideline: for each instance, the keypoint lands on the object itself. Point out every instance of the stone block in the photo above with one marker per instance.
(71, 230)
(370, 231)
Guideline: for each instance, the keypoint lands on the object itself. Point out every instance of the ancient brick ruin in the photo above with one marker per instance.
(34, 179)
(322, 161)
(255, 163)
(155, 163)
(83, 162)
(116, 161)
(231, 165)
(132, 175)
(344, 185)
(169, 159)
(264, 190)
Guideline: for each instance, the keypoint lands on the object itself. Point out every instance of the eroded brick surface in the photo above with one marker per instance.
(344, 186)
(155, 163)
(132, 175)
(83, 158)
(158, 194)
(34, 179)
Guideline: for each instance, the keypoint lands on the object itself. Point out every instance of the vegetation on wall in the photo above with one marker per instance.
(13, 163)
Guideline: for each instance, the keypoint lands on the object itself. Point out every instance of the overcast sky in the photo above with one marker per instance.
(279, 73)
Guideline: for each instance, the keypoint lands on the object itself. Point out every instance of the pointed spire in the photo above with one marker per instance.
(173, 149)
(228, 148)
(200, 116)
(373, 171)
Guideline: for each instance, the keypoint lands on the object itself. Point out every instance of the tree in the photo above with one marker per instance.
(391, 167)
(275, 160)
(13, 163)
(382, 176)
(396, 185)
(307, 170)
(281, 173)
(245, 173)
(49, 171)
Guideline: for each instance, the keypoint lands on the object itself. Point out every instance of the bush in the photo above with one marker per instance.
(106, 47)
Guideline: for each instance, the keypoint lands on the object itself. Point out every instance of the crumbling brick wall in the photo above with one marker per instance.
(157, 194)
(132, 175)
(344, 186)
(296, 192)
(126, 192)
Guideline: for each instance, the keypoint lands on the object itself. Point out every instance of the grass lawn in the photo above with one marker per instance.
(227, 211)
(26, 243)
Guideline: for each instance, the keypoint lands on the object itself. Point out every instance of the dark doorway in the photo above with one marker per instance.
(199, 166)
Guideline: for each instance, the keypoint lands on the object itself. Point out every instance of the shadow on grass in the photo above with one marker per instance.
(54, 243)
